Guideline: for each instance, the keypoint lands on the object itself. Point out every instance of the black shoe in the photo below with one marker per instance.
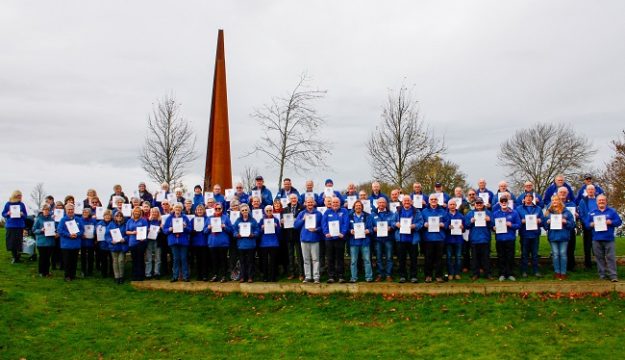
(214, 279)
(173, 280)
(186, 280)
(330, 281)
(341, 280)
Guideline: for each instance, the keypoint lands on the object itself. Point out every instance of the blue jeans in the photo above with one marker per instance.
(558, 251)
(529, 246)
(454, 259)
(180, 260)
(385, 265)
(366, 259)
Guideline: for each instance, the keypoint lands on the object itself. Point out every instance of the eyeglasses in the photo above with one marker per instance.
(244, 210)
(217, 208)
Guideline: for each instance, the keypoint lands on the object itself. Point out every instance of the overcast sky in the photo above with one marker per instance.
(78, 78)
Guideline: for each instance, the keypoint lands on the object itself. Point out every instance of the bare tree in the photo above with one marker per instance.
(169, 145)
(614, 176)
(37, 196)
(401, 139)
(436, 169)
(290, 127)
(248, 178)
(543, 151)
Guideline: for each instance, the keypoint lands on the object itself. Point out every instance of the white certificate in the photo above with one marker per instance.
(417, 201)
(153, 233)
(99, 212)
(101, 233)
(49, 228)
(215, 224)
(441, 198)
(434, 224)
(393, 206)
(79, 207)
(89, 231)
(58, 214)
(334, 228)
(210, 212)
(375, 203)
(382, 229)
(257, 193)
(350, 201)
(322, 209)
(284, 202)
(328, 192)
(142, 233)
(15, 211)
(198, 224)
(456, 227)
(289, 221)
(127, 210)
(72, 227)
(531, 222)
(245, 229)
(172, 198)
(404, 225)
(500, 225)
(177, 225)
(116, 236)
(208, 195)
(556, 222)
(310, 221)
(400, 198)
(269, 226)
(234, 215)
(190, 217)
(160, 196)
(571, 209)
(465, 235)
(257, 214)
(366, 206)
(164, 218)
(600, 223)
(229, 194)
(480, 218)
(458, 202)
(359, 230)
(484, 197)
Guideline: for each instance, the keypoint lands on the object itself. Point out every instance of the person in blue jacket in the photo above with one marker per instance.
(434, 240)
(528, 188)
(585, 205)
(376, 193)
(118, 248)
(218, 243)
(105, 259)
(454, 242)
(310, 238)
(287, 190)
(558, 238)
(335, 193)
(384, 244)
(218, 196)
(603, 239)
(438, 189)
(137, 246)
(269, 244)
(360, 245)
(581, 193)
(70, 241)
(246, 243)
(504, 190)
(417, 189)
(485, 194)
(265, 194)
(335, 243)
(87, 243)
(505, 241)
(198, 197)
(15, 225)
(199, 240)
(310, 191)
(563, 193)
(479, 237)
(552, 189)
(45, 244)
(530, 239)
(160, 195)
(178, 241)
(240, 195)
(408, 238)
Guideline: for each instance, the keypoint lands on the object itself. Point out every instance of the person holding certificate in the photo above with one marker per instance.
(219, 240)
(486, 195)
(245, 230)
(264, 193)
(87, 243)
(531, 216)
(152, 250)
(359, 241)
(104, 258)
(269, 245)
(199, 241)
(586, 204)
(418, 197)
(117, 194)
(118, 245)
(136, 229)
(478, 222)
(177, 228)
(160, 196)
(563, 194)
(559, 222)
(435, 218)
(310, 191)
(44, 231)
(15, 214)
(290, 236)
(603, 221)
(454, 240)
(507, 222)
(408, 222)
(70, 229)
(335, 223)
(232, 252)
(376, 194)
(329, 192)
(383, 231)
(308, 222)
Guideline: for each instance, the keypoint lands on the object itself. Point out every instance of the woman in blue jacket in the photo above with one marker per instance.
(360, 246)
(434, 239)
(529, 238)
(102, 246)
(218, 243)
(505, 241)
(199, 243)
(479, 238)
(45, 244)
(246, 243)
(87, 243)
(178, 241)
(15, 214)
(269, 245)
(117, 247)
(309, 238)
(559, 238)
(137, 246)
(454, 242)
(603, 238)
(70, 240)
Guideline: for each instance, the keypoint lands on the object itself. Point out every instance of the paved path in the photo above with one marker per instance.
(485, 287)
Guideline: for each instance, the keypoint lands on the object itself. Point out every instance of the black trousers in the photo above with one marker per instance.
(70, 261)
(86, 260)
(219, 261)
(466, 255)
(505, 257)
(14, 238)
(296, 260)
(45, 253)
(587, 248)
(57, 257)
(570, 252)
(269, 262)
(335, 251)
(165, 251)
(201, 261)
(480, 259)
(434, 258)
(103, 260)
(137, 253)
(405, 249)
(247, 258)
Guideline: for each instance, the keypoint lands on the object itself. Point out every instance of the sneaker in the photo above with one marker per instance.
(428, 279)
(538, 275)
(439, 280)
(306, 281)
(330, 281)
(524, 275)
(341, 280)
(186, 280)
(402, 280)
(511, 278)
(474, 277)
(458, 277)
(317, 282)
(353, 281)
(414, 280)
(389, 279)
(172, 280)
(369, 280)
(378, 278)
(502, 278)
(223, 280)
(614, 280)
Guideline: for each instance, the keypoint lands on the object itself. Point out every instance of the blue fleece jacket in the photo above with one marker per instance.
(270, 240)
(219, 239)
(417, 219)
(179, 238)
(443, 216)
(42, 239)
(581, 193)
(523, 210)
(557, 235)
(342, 216)
(84, 242)
(390, 218)
(553, 189)
(318, 199)
(123, 246)
(14, 223)
(538, 199)
(478, 234)
(585, 206)
(104, 245)
(265, 193)
(491, 196)
(199, 238)
(453, 239)
(515, 223)
(285, 194)
(362, 218)
(66, 241)
(132, 225)
(307, 235)
(610, 214)
(246, 243)
(198, 199)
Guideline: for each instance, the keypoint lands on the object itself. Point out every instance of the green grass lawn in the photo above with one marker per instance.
(93, 318)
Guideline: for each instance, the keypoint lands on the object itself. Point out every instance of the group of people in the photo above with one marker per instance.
(247, 236)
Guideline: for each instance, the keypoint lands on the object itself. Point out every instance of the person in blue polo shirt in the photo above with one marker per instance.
(15, 214)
